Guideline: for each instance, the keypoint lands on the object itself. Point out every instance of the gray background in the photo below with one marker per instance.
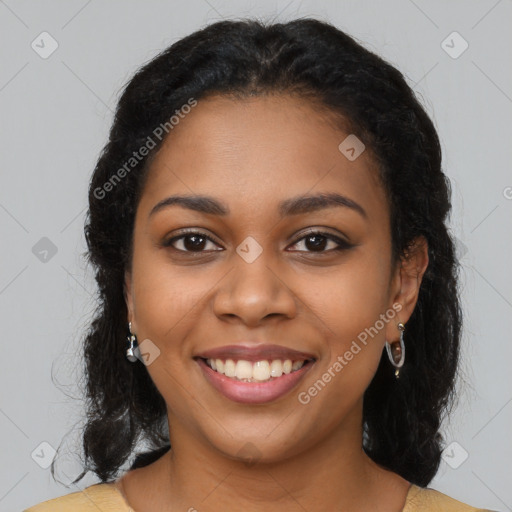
(55, 117)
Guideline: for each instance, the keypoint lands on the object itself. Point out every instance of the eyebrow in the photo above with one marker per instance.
(293, 206)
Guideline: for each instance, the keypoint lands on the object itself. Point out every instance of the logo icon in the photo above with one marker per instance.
(454, 45)
(250, 453)
(351, 147)
(249, 249)
(44, 250)
(147, 352)
(460, 248)
(43, 454)
(454, 455)
(44, 45)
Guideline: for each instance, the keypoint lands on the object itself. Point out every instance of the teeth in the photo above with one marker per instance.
(276, 369)
(297, 365)
(243, 370)
(259, 371)
(229, 368)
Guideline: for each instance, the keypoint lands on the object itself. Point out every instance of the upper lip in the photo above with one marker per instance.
(254, 353)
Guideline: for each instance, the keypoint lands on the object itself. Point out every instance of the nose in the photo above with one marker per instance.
(251, 292)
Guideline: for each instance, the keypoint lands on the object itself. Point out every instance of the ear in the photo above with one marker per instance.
(406, 283)
(128, 297)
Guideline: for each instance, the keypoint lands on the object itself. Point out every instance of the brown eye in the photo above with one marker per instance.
(317, 241)
(194, 241)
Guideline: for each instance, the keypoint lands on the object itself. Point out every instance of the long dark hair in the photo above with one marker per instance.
(313, 59)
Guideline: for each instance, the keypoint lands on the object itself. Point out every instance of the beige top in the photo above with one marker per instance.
(108, 498)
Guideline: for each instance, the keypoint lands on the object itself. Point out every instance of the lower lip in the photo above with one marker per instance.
(253, 392)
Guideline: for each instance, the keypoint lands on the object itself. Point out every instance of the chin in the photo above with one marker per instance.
(258, 447)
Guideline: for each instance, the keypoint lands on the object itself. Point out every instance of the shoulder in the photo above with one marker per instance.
(424, 499)
(104, 497)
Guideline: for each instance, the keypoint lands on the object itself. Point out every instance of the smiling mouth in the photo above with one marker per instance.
(258, 371)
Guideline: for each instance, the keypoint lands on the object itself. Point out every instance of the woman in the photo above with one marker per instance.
(267, 225)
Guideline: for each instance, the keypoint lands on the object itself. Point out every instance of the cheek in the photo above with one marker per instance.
(351, 296)
(167, 304)
(166, 307)
(352, 306)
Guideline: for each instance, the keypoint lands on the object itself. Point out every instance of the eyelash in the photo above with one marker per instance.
(342, 244)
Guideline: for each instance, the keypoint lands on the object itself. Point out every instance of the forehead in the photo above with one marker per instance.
(253, 153)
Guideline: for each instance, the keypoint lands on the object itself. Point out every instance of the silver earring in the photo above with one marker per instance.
(396, 351)
(130, 351)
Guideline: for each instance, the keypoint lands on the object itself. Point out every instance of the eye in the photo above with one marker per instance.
(191, 241)
(316, 241)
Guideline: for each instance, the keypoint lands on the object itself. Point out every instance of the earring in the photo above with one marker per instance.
(130, 351)
(396, 351)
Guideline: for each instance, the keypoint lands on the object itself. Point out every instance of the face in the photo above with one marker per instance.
(259, 265)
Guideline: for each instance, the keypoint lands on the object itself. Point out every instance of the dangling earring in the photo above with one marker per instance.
(396, 351)
(130, 351)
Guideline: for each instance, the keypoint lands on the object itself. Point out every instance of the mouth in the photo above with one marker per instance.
(254, 375)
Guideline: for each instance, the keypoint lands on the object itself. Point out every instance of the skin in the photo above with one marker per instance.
(252, 154)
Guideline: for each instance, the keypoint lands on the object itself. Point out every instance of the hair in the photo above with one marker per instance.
(318, 62)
